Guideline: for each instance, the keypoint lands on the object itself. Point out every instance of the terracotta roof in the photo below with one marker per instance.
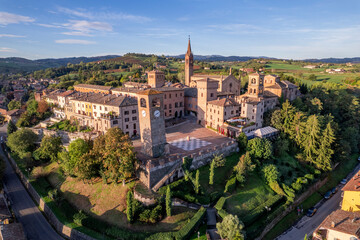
(93, 86)
(124, 89)
(223, 102)
(268, 94)
(190, 92)
(343, 221)
(353, 184)
(67, 93)
(289, 84)
(166, 89)
(15, 112)
(149, 92)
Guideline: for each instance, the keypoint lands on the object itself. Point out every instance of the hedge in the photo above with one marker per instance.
(220, 203)
(222, 213)
(230, 185)
(185, 231)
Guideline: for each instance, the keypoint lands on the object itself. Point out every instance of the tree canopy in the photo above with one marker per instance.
(22, 142)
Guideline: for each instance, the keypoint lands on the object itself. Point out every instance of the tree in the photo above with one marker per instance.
(323, 160)
(11, 128)
(231, 228)
(69, 160)
(219, 160)
(49, 148)
(42, 107)
(197, 184)
(168, 201)
(311, 138)
(260, 148)
(22, 142)
(116, 152)
(242, 141)
(312, 77)
(243, 167)
(32, 106)
(24, 120)
(88, 166)
(13, 104)
(129, 205)
(211, 174)
(270, 172)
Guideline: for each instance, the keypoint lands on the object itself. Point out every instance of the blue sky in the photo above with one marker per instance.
(283, 29)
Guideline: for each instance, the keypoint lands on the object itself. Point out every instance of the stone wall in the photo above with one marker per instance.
(64, 231)
(147, 201)
(164, 169)
(66, 137)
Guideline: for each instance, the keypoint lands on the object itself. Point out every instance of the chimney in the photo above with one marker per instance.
(332, 224)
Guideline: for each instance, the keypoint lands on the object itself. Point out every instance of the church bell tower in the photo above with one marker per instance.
(189, 65)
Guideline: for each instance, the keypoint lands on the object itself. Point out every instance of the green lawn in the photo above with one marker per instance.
(202, 235)
(286, 66)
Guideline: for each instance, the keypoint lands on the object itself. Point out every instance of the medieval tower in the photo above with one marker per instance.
(256, 85)
(189, 64)
(152, 122)
(207, 91)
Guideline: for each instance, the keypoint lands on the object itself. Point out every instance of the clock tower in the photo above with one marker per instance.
(152, 122)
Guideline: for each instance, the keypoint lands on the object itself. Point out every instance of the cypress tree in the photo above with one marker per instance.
(168, 201)
(129, 206)
(211, 175)
(311, 138)
(197, 184)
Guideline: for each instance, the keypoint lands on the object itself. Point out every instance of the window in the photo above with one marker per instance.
(181, 104)
(232, 112)
(82, 105)
(100, 107)
(169, 95)
(126, 119)
(165, 114)
(142, 102)
(225, 113)
(170, 107)
(175, 94)
(252, 117)
(105, 108)
(211, 117)
(127, 133)
(211, 94)
(134, 118)
(176, 105)
(94, 106)
(115, 122)
(202, 94)
(180, 94)
(126, 113)
(134, 126)
(127, 126)
(165, 106)
(164, 96)
(133, 111)
(156, 102)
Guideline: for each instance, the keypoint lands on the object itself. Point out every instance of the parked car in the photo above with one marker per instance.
(328, 195)
(359, 158)
(334, 190)
(311, 212)
(344, 181)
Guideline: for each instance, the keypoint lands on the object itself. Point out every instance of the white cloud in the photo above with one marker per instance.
(8, 18)
(5, 49)
(11, 36)
(74, 41)
(81, 27)
(104, 15)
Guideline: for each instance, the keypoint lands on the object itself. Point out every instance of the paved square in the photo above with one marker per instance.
(189, 145)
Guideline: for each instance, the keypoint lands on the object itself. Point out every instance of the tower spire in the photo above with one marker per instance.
(189, 47)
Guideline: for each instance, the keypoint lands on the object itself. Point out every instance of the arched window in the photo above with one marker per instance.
(156, 102)
(253, 81)
(230, 87)
(142, 102)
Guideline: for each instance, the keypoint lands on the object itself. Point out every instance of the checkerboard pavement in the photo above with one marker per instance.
(192, 144)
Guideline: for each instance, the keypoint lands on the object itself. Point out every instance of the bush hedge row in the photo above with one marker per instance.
(184, 232)
(230, 185)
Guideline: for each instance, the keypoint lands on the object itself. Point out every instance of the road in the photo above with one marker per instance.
(35, 224)
(307, 225)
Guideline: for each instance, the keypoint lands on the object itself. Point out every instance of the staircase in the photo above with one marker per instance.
(166, 177)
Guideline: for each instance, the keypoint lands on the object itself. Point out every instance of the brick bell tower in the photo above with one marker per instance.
(256, 85)
(152, 122)
(189, 64)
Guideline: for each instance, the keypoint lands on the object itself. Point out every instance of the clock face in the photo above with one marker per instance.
(143, 113)
(157, 113)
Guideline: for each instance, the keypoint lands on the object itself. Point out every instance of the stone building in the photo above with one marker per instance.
(206, 91)
(92, 88)
(218, 111)
(156, 79)
(284, 89)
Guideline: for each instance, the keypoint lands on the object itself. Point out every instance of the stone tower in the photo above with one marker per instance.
(152, 122)
(156, 79)
(189, 65)
(256, 85)
(206, 91)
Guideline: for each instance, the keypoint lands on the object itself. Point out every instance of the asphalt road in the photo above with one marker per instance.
(35, 224)
(307, 225)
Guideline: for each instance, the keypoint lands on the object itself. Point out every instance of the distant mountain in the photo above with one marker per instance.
(335, 60)
(216, 58)
(23, 65)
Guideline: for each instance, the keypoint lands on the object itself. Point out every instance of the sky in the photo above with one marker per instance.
(282, 29)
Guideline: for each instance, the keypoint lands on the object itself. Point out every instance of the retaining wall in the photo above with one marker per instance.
(63, 230)
(144, 200)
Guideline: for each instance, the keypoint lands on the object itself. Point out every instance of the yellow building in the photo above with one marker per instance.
(88, 109)
(351, 199)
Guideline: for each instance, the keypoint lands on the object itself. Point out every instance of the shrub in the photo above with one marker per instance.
(220, 203)
(297, 186)
(276, 187)
(230, 185)
(53, 194)
(270, 172)
(309, 176)
(317, 172)
(188, 229)
(151, 216)
(290, 193)
(79, 218)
